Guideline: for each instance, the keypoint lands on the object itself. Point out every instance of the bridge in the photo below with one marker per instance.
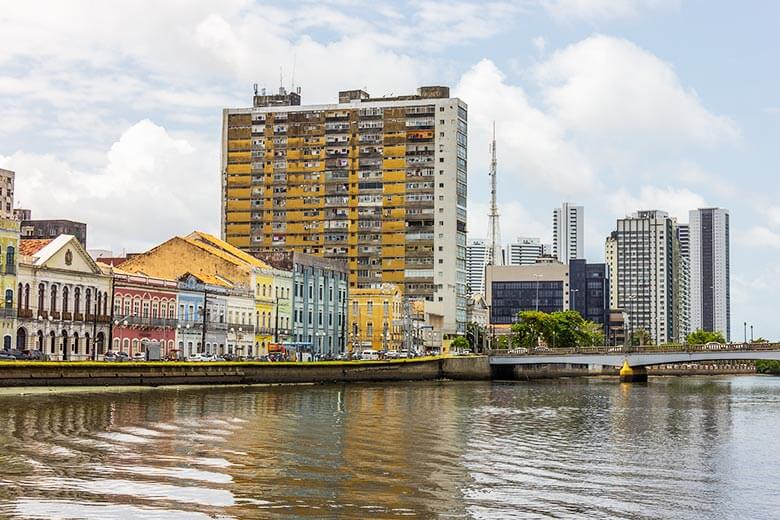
(635, 360)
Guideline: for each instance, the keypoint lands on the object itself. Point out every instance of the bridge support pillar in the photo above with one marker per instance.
(633, 375)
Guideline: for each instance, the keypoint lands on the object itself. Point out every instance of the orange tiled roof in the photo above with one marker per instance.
(30, 246)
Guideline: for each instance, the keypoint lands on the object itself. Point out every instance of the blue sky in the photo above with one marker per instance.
(110, 112)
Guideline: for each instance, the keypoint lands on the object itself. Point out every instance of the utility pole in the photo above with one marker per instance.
(205, 312)
(276, 321)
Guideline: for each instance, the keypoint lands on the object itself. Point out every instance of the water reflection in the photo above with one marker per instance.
(674, 448)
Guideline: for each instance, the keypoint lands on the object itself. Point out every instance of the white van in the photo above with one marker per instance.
(369, 355)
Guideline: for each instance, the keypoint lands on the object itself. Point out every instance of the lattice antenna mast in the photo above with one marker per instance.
(494, 248)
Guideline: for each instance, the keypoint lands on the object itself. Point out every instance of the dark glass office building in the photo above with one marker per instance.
(589, 291)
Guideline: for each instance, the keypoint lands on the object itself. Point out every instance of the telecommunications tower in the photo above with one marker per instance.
(493, 253)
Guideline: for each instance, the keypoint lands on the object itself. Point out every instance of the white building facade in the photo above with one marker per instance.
(649, 275)
(476, 259)
(568, 222)
(64, 300)
(525, 251)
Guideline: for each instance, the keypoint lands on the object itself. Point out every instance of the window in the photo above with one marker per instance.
(10, 260)
(369, 306)
(77, 300)
(53, 303)
(65, 303)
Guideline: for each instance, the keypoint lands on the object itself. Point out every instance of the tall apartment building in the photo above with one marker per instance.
(567, 232)
(525, 251)
(476, 259)
(6, 193)
(710, 270)
(377, 182)
(649, 284)
(52, 228)
(610, 258)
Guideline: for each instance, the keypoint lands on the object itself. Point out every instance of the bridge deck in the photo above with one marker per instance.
(637, 357)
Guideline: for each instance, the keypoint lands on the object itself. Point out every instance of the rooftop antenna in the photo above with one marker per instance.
(255, 88)
(281, 80)
(493, 256)
(292, 80)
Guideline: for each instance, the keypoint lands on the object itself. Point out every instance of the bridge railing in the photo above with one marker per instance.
(649, 349)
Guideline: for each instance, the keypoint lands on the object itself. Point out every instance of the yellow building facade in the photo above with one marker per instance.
(379, 183)
(9, 263)
(376, 317)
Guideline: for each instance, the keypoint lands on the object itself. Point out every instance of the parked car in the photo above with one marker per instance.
(122, 356)
(369, 355)
(109, 356)
(195, 357)
(34, 355)
(5, 355)
(139, 356)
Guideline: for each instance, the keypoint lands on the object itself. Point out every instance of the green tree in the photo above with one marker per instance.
(700, 337)
(459, 343)
(640, 337)
(557, 329)
(475, 334)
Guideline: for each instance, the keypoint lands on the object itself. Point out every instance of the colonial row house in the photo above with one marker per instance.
(63, 300)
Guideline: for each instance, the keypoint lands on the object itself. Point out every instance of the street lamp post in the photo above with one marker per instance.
(751, 333)
(537, 276)
(744, 330)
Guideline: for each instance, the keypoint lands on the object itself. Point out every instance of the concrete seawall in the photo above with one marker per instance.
(158, 374)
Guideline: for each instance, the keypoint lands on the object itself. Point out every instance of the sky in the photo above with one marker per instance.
(110, 112)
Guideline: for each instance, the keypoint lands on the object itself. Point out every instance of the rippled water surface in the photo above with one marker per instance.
(695, 448)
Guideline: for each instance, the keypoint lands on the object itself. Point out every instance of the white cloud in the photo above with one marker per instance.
(152, 185)
(675, 201)
(759, 237)
(592, 10)
(539, 43)
(532, 147)
(611, 93)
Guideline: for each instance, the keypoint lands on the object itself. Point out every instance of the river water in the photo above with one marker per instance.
(688, 448)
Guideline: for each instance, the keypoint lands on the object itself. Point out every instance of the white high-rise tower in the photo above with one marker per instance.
(567, 232)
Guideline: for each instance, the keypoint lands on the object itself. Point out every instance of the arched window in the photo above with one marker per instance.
(137, 307)
(135, 346)
(99, 297)
(27, 296)
(10, 260)
(53, 298)
(9, 298)
(171, 310)
(146, 309)
(105, 304)
(20, 297)
(65, 302)
(77, 300)
(117, 305)
(75, 342)
(88, 301)
(128, 302)
(41, 295)
(86, 343)
(126, 345)
(116, 343)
